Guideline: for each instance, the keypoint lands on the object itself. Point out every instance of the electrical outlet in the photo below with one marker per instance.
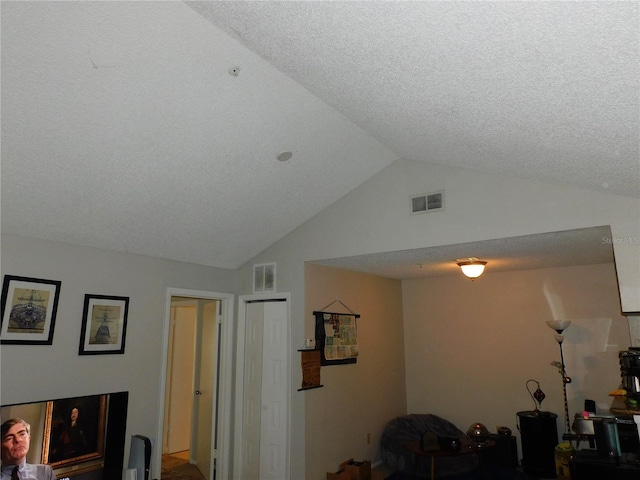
(310, 343)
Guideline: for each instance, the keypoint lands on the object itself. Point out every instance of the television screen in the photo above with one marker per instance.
(80, 437)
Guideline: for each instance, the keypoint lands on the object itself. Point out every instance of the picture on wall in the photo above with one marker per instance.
(74, 430)
(29, 307)
(336, 337)
(104, 324)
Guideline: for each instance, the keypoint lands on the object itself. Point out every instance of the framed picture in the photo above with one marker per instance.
(74, 430)
(104, 325)
(29, 308)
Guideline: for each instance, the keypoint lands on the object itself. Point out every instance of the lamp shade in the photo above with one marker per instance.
(471, 267)
(558, 325)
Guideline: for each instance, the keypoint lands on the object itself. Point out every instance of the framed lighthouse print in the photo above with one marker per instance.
(104, 325)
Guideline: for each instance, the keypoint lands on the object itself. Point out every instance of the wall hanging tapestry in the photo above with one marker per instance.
(337, 336)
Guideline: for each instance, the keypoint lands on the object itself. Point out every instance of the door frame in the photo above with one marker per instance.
(240, 351)
(225, 380)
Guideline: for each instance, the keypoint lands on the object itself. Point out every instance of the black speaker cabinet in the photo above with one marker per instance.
(539, 437)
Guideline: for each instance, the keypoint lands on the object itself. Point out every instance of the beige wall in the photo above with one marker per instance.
(472, 346)
(356, 399)
(469, 349)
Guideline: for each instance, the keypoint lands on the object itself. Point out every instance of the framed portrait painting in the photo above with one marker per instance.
(104, 325)
(74, 430)
(29, 307)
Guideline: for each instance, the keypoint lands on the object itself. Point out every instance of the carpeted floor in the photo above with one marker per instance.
(177, 467)
(492, 473)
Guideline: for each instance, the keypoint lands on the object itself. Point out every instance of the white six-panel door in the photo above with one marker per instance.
(265, 426)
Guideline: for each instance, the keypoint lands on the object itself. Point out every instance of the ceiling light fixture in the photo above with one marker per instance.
(471, 267)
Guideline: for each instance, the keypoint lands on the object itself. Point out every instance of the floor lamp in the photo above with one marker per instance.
(559, 326)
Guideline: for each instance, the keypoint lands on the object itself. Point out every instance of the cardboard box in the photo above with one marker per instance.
(382, 472)
(352, 470)
(340, 475)
(358, 470)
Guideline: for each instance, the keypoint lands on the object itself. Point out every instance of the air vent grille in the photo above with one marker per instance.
(264, 278)
(427, 202)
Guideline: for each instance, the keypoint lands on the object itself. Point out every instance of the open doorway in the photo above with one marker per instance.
(194, 435)
(191, 393)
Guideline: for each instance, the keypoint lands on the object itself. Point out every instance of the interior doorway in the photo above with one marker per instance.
(191, 393)
(196, 392)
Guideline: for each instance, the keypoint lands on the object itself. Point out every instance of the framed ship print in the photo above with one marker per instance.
(29, 307)
(104, 325)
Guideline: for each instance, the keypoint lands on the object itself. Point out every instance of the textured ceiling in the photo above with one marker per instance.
(546, 90)
(123, 129)
(583, 246)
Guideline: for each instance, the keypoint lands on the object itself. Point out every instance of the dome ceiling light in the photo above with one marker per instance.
(471, 267)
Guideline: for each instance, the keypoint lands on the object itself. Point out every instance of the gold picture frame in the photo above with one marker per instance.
(74, 430)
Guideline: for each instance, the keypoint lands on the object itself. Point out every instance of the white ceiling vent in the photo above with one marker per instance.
(427, 202)
(264, 278)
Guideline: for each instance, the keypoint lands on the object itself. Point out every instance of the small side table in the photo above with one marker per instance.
(466, 448)
(505, 453)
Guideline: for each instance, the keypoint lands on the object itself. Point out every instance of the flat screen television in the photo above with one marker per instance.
(80, 437)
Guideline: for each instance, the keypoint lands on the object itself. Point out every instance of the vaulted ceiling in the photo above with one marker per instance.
(154, 127)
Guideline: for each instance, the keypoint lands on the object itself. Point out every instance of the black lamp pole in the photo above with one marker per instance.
(565, 379)
(559, 326)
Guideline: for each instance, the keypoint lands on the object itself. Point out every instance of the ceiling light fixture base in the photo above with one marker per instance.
(471, 267)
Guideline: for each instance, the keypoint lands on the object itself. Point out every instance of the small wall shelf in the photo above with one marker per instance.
(310, 362)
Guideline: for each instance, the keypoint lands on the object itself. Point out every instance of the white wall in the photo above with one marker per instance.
(374, 218)
(39, 372)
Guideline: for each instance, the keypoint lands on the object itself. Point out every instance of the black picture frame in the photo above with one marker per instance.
(104, 325)
(29, 308)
